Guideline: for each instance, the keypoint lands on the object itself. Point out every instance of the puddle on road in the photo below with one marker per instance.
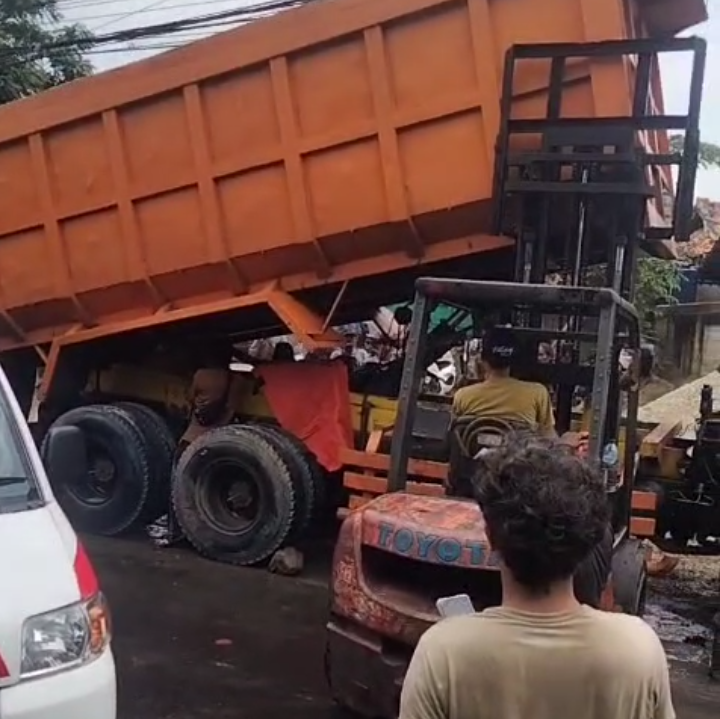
(685, 639)
(681, 607)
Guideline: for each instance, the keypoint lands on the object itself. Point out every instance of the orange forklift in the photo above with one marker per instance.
(578, 206)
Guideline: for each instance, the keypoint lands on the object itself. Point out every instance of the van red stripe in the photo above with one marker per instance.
(85, 574)
(4, 672)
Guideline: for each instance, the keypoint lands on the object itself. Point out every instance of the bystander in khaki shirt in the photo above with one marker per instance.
(507, 664)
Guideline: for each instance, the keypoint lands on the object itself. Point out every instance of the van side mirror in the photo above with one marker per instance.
(64, 455)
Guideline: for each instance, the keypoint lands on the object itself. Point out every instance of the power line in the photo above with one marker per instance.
(147, 9)
(209, 20)
(120, 17)
(64, 5)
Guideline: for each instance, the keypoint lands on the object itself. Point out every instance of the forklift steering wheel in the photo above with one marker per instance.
(473, 434)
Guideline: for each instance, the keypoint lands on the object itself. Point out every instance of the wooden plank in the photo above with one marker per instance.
(657, 437)
(642, 526)
(381, 462)
(374, 440)
(644, 501)
(378, 485)
(357, 500)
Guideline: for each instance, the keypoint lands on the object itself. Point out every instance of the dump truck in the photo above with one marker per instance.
(289, 175)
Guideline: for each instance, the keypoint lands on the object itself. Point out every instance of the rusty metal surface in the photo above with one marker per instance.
(457, 539)
(428, 529)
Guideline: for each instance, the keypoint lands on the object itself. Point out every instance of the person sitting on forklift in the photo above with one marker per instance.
(525, 406)
(500, 396)
(541, 653)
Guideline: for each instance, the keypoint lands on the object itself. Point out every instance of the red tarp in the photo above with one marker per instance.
(312, 400)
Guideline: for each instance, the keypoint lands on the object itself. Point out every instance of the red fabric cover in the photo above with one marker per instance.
(312, 400)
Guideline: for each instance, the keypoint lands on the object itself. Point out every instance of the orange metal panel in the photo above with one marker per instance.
(644, 501)
(642, 526)
(323, 144)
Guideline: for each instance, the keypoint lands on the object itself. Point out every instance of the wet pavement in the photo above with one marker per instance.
(197, 639)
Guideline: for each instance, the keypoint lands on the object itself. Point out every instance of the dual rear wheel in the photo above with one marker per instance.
(239, 492)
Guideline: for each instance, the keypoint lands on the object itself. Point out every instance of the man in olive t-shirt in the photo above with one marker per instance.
(500, 396)
(541, 654)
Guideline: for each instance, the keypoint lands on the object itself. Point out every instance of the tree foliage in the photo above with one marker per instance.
(708, 156)
(37, 51)
(657, 282)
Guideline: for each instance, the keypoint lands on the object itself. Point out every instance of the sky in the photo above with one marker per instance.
(109, 16)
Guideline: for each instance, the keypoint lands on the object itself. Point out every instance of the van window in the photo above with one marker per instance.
(18, 488)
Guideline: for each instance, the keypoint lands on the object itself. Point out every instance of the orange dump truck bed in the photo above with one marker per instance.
(336, 141)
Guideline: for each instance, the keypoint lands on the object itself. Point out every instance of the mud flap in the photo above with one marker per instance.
(629, 577)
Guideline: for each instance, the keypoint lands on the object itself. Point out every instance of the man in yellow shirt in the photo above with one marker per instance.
(523, 405)
(500, 396)
(541, 654)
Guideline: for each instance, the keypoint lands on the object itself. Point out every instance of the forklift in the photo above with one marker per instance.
(579, 209)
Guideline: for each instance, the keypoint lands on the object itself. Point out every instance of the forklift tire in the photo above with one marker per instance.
(203, 491)
(294, 456)
(115, 445)
(160, 445)
(629, 577)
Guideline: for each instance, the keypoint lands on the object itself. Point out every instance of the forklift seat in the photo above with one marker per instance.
(469, 437)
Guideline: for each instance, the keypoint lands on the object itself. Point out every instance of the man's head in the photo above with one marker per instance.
(499, 349)
(544, 509)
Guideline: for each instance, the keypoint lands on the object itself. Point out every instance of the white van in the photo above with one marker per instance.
(55, 657)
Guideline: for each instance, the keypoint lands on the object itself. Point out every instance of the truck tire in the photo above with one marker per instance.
(320, 480)
(293, 453)
(160, 446)
(318, 477)
(629, 577)
(318, 474)
(116, 493)
(234, 496)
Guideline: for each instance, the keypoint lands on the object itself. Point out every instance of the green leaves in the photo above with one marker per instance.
(657, 282)
(36, 52)
(708, 157)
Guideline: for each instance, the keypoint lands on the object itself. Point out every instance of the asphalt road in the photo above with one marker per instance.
(197, 639)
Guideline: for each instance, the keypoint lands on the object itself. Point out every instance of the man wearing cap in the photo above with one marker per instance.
(500, 396)
(527, 405)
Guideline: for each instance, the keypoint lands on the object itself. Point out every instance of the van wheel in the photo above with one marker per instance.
(293, 453)
(160, 447)
(234, 496)
(114, 494)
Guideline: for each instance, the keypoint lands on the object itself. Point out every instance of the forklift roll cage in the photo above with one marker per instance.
(618, 326)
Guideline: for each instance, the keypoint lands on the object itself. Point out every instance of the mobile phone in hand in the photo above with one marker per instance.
(454, 606)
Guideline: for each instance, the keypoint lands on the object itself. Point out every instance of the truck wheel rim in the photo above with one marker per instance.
(231, 496)
(98, 486)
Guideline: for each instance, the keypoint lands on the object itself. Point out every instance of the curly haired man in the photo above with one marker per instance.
(541, 654)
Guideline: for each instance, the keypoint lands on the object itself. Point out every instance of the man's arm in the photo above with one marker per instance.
(546, 416)
(424, 691)
(458, 404)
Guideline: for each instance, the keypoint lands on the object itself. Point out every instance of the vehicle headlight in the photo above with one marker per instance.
(65, 638)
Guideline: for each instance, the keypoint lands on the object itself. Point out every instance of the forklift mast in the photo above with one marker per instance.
(599, 189)
(582, 204)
